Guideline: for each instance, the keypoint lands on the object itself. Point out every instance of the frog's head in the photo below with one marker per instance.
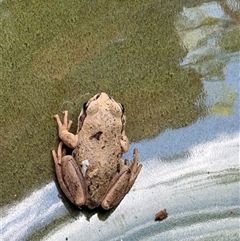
(100, 108)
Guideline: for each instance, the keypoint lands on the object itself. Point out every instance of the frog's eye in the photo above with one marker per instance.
(123, 109)
(85, 106)
(97, 96)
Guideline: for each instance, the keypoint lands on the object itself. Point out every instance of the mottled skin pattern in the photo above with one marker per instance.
(95, 174)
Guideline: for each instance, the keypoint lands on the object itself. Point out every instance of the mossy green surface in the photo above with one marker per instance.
(230, 41)
(57, 54)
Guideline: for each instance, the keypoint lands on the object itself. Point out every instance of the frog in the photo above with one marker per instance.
(95, 175)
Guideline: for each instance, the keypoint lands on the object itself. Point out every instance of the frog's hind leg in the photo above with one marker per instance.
(69, 177)
(122, 182)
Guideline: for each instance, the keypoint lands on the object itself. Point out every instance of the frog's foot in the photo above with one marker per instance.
(122, 182)
(69, 177)
(63, 130)
(66, 125)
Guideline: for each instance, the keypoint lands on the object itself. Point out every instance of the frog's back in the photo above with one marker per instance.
(103, 158)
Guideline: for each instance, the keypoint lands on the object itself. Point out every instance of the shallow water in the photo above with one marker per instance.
(199, 190)
(176, 69)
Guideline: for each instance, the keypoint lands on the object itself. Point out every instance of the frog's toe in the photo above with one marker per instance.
(135, 167)
(126, 162)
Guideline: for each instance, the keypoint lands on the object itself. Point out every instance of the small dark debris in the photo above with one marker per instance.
(96, 136)
(161, 215)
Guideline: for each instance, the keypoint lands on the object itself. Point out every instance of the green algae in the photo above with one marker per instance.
(58, 54)
(230, 41)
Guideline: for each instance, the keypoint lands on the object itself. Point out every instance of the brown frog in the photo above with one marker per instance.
(95, 174)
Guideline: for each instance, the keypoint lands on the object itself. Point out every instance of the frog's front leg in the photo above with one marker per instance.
(122, 182)
(124, 140)
(69, 177)
(67, 137)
